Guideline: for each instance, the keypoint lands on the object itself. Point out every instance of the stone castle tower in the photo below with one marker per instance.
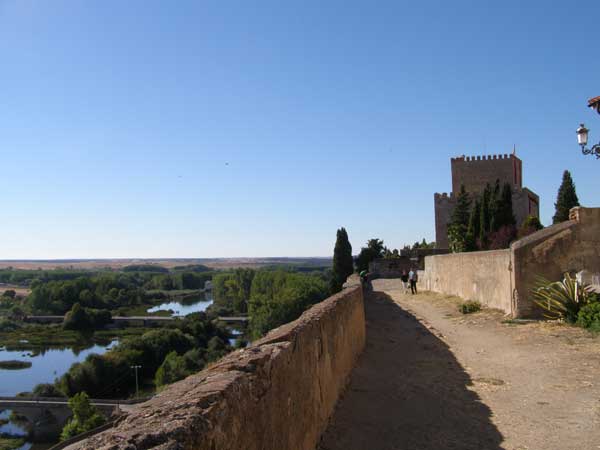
(474, 173)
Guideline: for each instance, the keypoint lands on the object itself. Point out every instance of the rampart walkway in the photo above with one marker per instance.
(432, 378)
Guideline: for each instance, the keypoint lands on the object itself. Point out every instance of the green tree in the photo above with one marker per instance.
(505, 215)
(372, 251)
(530, 225)
(76, 319)
(171, 370)
(494, 207)
(343, 264)
(484, 217)
(473, 228)
(459, 222)
(85, 417)
(566, 198)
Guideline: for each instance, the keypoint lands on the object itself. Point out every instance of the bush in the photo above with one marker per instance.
(589, 315)
(562, 299)
(85, 417)
(47, 390)
(469, 307)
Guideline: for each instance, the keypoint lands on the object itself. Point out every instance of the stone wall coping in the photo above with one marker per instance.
(542, 234)
(481, 252)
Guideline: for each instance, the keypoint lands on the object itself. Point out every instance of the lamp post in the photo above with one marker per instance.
(582, 132)
(137, 386)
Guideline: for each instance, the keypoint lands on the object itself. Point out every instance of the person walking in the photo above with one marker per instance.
(404, 278)
(413, 277)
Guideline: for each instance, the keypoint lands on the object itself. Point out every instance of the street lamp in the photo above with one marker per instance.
(582, 132)
(137, 386)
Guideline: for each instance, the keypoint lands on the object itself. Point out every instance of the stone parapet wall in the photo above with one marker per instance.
(276, 394)
(570, 246)
(481, 276)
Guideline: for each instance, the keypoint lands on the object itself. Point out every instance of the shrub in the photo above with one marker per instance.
(85, 417)
(589, 315)
(469, 307)
(561, 299)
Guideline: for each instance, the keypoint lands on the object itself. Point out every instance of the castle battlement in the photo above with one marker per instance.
(464, 158)
(443, 195)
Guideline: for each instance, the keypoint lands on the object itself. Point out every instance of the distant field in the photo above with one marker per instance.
(216, 263)
(18, 289)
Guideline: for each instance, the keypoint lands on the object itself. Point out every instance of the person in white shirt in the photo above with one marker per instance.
(413, 278)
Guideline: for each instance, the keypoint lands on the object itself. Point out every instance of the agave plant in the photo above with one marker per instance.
(561, 299)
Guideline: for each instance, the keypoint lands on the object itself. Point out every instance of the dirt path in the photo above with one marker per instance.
(432, 378)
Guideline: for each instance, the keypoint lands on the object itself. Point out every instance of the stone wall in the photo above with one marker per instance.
(570, 246)
(503, 279)
(481, 276)
(276, 394)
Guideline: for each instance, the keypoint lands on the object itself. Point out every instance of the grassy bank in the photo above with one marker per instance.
(10, 442)
(40, 337)
(14, 365)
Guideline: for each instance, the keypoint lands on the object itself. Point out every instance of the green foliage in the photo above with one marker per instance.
(589, 315)
(110, 375)
(561, 299)
(469, 307)
(372, 251)
(530, 225)
(566, 199)
(473, 228)
(47, 390)
(145, 268)
(343, 264)
(280, 297)
(172, 369)
(85, 319)
(85, 417)
(459, 222)
(11, 442)
(231, 291)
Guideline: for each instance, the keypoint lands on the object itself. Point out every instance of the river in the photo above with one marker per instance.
(49, 364)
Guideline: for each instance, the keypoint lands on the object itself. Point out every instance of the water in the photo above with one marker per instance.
(45, 367)
(183, 307)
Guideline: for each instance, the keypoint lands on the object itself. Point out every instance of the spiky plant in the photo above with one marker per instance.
(561, 299)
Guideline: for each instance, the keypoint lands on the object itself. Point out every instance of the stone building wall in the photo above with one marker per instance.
(474, 172)
(481, 276)
(276, 394)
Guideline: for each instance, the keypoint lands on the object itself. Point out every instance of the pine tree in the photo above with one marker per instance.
(459, 222)
(566, 198)
(343, 264)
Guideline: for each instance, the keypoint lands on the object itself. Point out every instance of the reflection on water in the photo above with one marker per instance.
(45, 367)
(185, 306)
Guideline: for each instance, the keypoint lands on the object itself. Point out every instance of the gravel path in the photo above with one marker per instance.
(432, 378)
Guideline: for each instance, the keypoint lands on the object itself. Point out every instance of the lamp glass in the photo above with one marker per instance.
(582, 135)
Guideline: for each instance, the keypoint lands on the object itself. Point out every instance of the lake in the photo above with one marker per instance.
(185, 306)
(46, 366)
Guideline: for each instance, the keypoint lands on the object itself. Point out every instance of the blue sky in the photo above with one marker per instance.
(206, 129)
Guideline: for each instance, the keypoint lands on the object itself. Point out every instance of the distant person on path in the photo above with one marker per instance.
(413, 277)
(404, 278)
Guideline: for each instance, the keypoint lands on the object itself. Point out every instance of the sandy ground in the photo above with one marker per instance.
(18, 289)
(433, 378)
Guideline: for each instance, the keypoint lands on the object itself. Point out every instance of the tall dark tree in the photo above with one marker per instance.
(473, 228)
(459, 222)
(566, 198)
(495, 202)
(504, 210)
(484, 217)
(343, 264)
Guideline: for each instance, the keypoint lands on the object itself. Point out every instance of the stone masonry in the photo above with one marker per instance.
(474, 173)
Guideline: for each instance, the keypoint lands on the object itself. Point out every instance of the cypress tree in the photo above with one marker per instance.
(459, 222)
(494, 206)
(343, 264)
(473, 228)
(566, 198)
(504, 212)
(484, 217)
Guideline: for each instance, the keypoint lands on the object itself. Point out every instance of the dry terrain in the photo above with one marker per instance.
(433, 378)
(20, 290)
(215, 263)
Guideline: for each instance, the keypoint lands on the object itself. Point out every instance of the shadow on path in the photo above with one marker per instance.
(407, 392)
